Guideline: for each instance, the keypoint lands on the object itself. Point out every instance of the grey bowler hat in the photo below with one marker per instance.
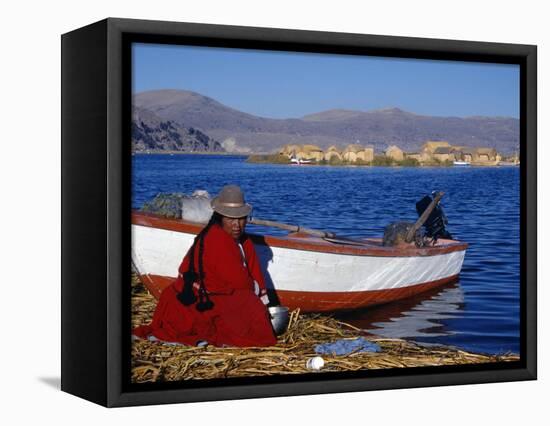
(230, 202)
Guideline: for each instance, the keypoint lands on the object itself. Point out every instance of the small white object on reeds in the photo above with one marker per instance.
(315, 363)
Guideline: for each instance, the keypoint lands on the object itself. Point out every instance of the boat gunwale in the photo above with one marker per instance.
(313, 244)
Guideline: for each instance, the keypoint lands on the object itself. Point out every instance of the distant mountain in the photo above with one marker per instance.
(242, 132)
(341, 114)
(150, 132)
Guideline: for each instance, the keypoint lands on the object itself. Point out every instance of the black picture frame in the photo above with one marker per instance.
(96, 90)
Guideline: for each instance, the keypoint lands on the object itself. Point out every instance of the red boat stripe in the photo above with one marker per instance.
(311, 301)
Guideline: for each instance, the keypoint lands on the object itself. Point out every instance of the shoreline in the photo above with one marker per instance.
(164, 362)
(317, 164)
(188, 153)
(378, 161)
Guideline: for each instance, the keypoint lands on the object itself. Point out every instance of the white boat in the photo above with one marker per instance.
(461, 163)
(299, 162)
(303, 271)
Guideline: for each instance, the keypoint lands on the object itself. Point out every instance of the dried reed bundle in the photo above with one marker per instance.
(156, 361)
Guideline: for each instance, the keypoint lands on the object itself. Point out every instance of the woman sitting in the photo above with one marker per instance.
(219, 296)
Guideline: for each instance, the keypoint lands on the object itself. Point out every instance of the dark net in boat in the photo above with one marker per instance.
(396, 233)
(167, 205)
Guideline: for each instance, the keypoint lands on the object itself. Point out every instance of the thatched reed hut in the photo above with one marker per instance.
(333, 152)
(443, 153)
(289, 150)
(367, 154)
(414, 156)
(486, 154)
(354, 152)
(430, 146)
(395, 153)
(310, 152)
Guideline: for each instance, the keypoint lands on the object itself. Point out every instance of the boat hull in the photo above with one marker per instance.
(306, 272)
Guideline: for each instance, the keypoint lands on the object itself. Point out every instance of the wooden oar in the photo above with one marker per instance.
(292, 228)
(332, 237)
(327, 236)
(423, 217)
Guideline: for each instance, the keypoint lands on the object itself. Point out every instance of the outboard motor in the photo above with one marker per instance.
(435, 224)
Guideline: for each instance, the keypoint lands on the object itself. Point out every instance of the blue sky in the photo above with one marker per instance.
(291, 85)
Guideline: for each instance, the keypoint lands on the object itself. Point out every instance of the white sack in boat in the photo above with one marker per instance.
(196, 208)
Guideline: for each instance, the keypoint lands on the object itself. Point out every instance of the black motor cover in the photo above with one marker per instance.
(435, 225)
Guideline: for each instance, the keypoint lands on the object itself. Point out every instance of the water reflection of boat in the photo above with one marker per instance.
(417, 316)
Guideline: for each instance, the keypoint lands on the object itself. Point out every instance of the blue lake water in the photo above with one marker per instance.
(479, 313)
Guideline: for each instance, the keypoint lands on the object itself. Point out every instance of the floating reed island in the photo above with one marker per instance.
(158, 362)
(431, 154)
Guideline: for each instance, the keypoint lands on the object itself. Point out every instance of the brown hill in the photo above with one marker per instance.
(242, 132)
(150, 132)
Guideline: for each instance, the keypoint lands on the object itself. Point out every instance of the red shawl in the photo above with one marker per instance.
(238, 317)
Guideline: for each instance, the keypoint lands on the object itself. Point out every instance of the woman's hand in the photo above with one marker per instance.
(261, 293)
(263, 296)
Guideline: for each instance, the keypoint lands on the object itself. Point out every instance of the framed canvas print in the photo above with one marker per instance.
(254, 212)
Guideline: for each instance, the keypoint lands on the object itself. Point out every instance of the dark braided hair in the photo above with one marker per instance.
(186, 296)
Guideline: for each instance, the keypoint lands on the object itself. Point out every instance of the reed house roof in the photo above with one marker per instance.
(442, 150)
